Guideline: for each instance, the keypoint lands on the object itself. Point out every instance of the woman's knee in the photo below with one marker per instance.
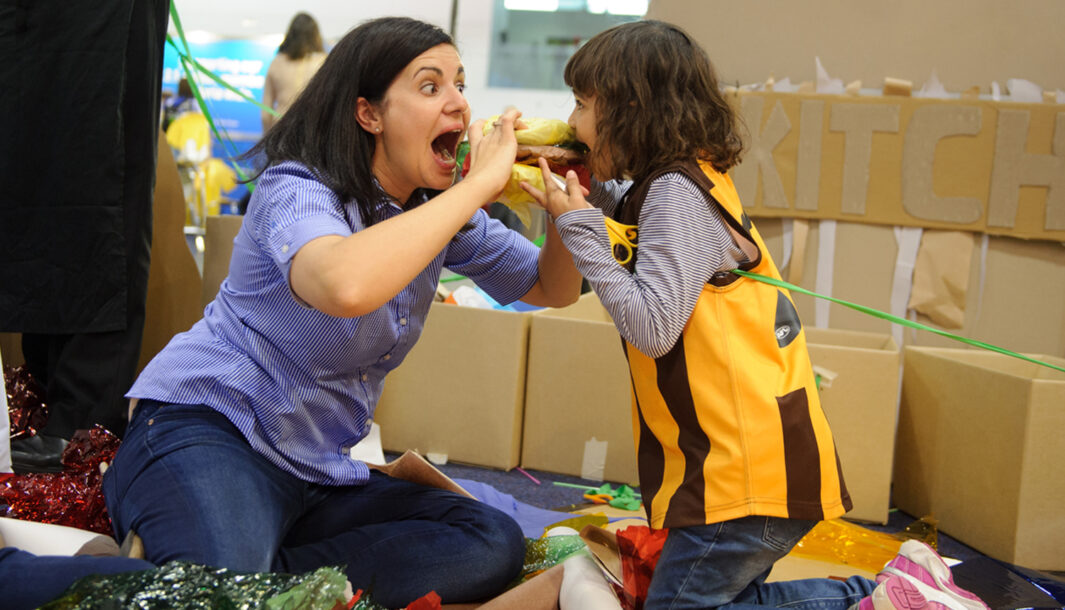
(504, 544)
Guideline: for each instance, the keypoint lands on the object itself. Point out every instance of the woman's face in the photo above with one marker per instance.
(422, 119)
(583, 120)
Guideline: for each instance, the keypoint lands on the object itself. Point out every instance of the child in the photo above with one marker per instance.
(735, 455)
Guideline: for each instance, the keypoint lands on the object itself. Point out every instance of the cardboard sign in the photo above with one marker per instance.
(961, 164)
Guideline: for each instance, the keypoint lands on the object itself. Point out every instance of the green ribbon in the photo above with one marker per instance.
(894, 319)
(187, 65)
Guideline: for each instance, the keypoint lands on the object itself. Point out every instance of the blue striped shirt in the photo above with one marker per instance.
(299, 384)
(683, 241)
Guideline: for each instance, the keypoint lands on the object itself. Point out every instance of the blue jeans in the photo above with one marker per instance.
(726, 564)
(186, 481)
(29, 581)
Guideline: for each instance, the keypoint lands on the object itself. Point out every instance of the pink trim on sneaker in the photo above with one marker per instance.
(921, 565)
(899, 593)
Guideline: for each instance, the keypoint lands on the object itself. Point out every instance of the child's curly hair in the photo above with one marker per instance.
(656, 99)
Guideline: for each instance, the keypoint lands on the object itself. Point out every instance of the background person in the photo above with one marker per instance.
(298, 58)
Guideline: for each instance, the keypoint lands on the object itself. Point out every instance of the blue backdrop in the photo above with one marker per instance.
(242, 63)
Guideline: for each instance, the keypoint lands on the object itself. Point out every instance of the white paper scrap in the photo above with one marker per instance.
(369, 448)
(593, 462)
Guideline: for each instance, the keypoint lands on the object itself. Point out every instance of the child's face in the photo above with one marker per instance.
(583, 120)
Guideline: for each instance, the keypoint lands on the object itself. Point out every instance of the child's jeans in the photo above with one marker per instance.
(726, 564)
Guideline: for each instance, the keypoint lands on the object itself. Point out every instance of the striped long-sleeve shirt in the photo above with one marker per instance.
(299, 384)
(683, 241)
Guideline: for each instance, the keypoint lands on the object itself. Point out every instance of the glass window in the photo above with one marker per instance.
(533, 39)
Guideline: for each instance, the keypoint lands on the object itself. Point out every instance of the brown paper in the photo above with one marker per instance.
(941, 277)
(603, 545)
(414, 468)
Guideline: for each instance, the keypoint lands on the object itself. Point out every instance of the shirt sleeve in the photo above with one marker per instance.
(606, 195)
(499, 260)
(682, 242)
(292, 208)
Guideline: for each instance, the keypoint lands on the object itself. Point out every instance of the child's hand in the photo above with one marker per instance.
(492, 155)
(556, 199)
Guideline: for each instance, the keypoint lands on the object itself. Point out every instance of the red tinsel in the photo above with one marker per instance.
(73, 497)
(639, 547)
(25, 402)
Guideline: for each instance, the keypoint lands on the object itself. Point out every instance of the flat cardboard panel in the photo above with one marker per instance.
(461, 389)
(953, 164)
(861, 405)
(578, 388)
(978, 449)
(219, 233)
(869, 41)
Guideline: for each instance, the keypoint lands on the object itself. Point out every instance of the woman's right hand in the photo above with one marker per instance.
(492, 155)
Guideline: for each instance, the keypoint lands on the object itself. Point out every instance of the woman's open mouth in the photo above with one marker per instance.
(444, 147)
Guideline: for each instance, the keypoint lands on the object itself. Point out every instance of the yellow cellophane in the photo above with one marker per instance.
(539, 132)
(839, 541)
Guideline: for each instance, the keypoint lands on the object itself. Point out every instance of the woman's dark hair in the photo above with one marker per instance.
(656, 99)
(302, 38)
(319, 130)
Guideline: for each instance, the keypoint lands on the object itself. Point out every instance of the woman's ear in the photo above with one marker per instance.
(367, 116)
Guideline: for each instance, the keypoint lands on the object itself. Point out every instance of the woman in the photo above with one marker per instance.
(237, 453)
(298, 58)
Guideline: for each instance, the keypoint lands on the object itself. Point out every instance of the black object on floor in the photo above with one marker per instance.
(1004, 587)
(38, 453)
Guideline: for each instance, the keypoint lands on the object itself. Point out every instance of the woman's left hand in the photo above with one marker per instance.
(554, 198)
(492, 155)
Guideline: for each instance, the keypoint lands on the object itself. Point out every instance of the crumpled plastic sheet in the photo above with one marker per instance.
(839, 541)
(26, 407)
(544, 553)
(73, 497)
(180, 584)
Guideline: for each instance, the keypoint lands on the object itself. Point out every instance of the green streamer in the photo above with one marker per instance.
(187, 65)
(894, 319)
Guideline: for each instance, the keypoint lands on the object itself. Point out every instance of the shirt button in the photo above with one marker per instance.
(386, 357)
(403, 321)
(365, 376)
(284, 248)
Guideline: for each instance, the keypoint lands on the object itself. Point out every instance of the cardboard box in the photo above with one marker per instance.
(979, 448)
(219, 233)
(861, 403)
(461, 390)
(1000, 281)
(578, 401)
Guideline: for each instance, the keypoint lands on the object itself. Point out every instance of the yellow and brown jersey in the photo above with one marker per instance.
(728, 423)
